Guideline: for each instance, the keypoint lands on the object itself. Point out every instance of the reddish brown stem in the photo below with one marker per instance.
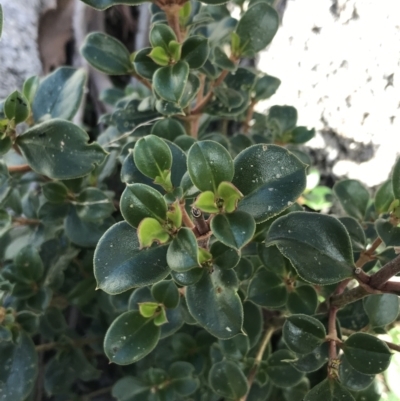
(249, 116)
(22, 168)
(380, 278)
(200, 106)
(23, 221)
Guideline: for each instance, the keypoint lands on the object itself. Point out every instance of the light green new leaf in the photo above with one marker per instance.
(120, 265)
(318, 246)
(16, 107)
(106, 54)
(59, 95)
(130, 338)
(58, 149)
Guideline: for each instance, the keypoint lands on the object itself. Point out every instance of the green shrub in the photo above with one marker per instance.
(186, 215)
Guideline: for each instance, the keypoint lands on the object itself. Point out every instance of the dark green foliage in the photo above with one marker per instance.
(212, 281)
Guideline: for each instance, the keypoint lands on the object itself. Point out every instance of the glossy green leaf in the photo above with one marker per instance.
(317, 245)
(329, 390)
(209, 164)
(152, 156)
(182, 253)
(256, 28)
(270, 178)
(222, 60)
(390, 234)
(227, 380)
(191, 88)
(103, 4)
(282, 119)
(144, 65)
(55, 192)
(313, 361)
(353, 197)
(351, 378)
(304, 299)
(28, 264)
(195, 51)
(384, 197)
(382, 309)
(130, 338)
(59, 95)
(16, 107)
(266, 86)
(281, 371)
(356, 233)
(119, 264)
(92, 204)
(396, 179)
(30, 87)
(58, 149)
(244, 269)
(106, 54)
(223, 256)
(169, 82)
(168, 128)
(166, 293)
(367, 354)
(272, 259)
(189, 277)
(139, 201)
(371, 393)
(18, 368)
(181, 374)
(303, 333)
(83, 233)
(161, 35)
(215, 304)
(267, 289)
(234, 229)
(353, 316)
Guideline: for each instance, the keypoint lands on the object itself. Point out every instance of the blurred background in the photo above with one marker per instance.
(338, 62)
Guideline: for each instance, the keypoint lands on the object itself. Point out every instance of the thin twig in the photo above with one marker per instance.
(22, 168)
(200, 106)
(249, 116)
(187, 221)
(79, 343)
(253, 371)
(381, 277)
(23, 221)
(142, 80)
